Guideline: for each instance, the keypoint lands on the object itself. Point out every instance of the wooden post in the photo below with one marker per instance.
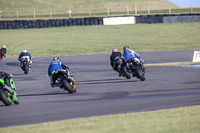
(127, 10)
(34, 14)
(50, 13)
(70, 13)
(108, 11)
(89, 12)
(170, 10)
(148, 10)
(17, 14)
(135, 9)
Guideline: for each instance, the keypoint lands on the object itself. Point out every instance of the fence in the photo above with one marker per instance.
(91, 12)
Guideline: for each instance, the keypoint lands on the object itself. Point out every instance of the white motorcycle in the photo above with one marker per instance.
(25, 64)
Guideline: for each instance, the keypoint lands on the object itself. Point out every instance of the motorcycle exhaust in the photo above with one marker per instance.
(9, 89)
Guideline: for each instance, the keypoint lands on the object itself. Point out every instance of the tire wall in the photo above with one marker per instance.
(31, 24)
(169, 18)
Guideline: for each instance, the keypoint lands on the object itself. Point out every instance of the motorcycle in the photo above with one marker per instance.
(64, 79)
(121, 68)
(136, 68)
(2, 55)
(25, 64)
(8, 91)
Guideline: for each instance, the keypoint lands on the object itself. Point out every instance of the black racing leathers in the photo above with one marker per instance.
(113, 57)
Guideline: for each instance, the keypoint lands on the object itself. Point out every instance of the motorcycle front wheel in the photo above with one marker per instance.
(26, 68)
(4, 99)
(67, 86)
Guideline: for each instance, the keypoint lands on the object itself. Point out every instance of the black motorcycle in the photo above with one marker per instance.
(65, 80)
(25, 64)
(121, 68)
(136, 68)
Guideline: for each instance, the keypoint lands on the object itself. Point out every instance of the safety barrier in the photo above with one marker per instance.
(26, 24)
(160, 18)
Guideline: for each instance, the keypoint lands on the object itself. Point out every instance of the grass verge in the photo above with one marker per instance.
(101, 39)
(172, 64)
(180, 120)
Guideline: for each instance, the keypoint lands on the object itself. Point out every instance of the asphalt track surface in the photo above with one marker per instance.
(100, 91)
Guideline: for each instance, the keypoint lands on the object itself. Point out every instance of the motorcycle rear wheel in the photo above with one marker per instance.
(67, 86)
(4, 99)
(139, 74)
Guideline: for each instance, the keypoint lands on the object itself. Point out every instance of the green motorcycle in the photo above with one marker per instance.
(7, 89)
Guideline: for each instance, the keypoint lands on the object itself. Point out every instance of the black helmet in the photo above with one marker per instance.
(126, 47)
(56, 59)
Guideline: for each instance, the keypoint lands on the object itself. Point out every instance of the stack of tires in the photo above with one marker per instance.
(31, 24)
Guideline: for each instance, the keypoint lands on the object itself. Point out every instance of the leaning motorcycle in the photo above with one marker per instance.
(1, 55)
(121, 68)
(25, 64)
(65, 80)
(8, 92)
(135, 66)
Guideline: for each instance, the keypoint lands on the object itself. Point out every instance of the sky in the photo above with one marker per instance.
(186, 3)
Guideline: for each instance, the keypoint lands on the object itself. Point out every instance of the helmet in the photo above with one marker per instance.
(126, 47)
(4, 46)
(24, 51)
(56, 59)
(114, 50)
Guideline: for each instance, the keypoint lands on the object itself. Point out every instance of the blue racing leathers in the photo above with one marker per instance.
(24, 54)
(128, 54)
(56, 65)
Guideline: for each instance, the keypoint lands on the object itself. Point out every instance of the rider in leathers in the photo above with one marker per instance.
(113, 56)
(128, 54)
(56, 64)
(3, 49)
(25, 53)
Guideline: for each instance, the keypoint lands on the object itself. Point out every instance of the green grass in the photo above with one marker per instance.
(172, 64)
(80, 8)
(180, 120)
(80, 4)
(101, 39)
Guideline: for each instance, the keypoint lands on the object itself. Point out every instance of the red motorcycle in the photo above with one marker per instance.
(2, 55)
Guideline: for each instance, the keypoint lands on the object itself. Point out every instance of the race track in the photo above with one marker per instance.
(100, 91)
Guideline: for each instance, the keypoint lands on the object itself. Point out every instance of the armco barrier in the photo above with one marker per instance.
(160, 18)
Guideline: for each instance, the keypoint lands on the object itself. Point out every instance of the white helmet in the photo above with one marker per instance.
(24, 51)
(4, 46)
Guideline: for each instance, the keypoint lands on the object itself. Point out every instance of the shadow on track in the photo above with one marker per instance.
(105, 81)
(13, 64)
(44, 94)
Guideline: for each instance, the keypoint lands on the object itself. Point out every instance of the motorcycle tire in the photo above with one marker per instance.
(67, 86)
(139, 74)
(4, 98)
(26, 69)
(16, 102)
(127, 74)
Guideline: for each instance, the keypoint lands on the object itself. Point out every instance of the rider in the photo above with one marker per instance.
(113, 56)
(3, 50)
(56, 64)
(6, 77)
(24, 53)
(128, 54)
